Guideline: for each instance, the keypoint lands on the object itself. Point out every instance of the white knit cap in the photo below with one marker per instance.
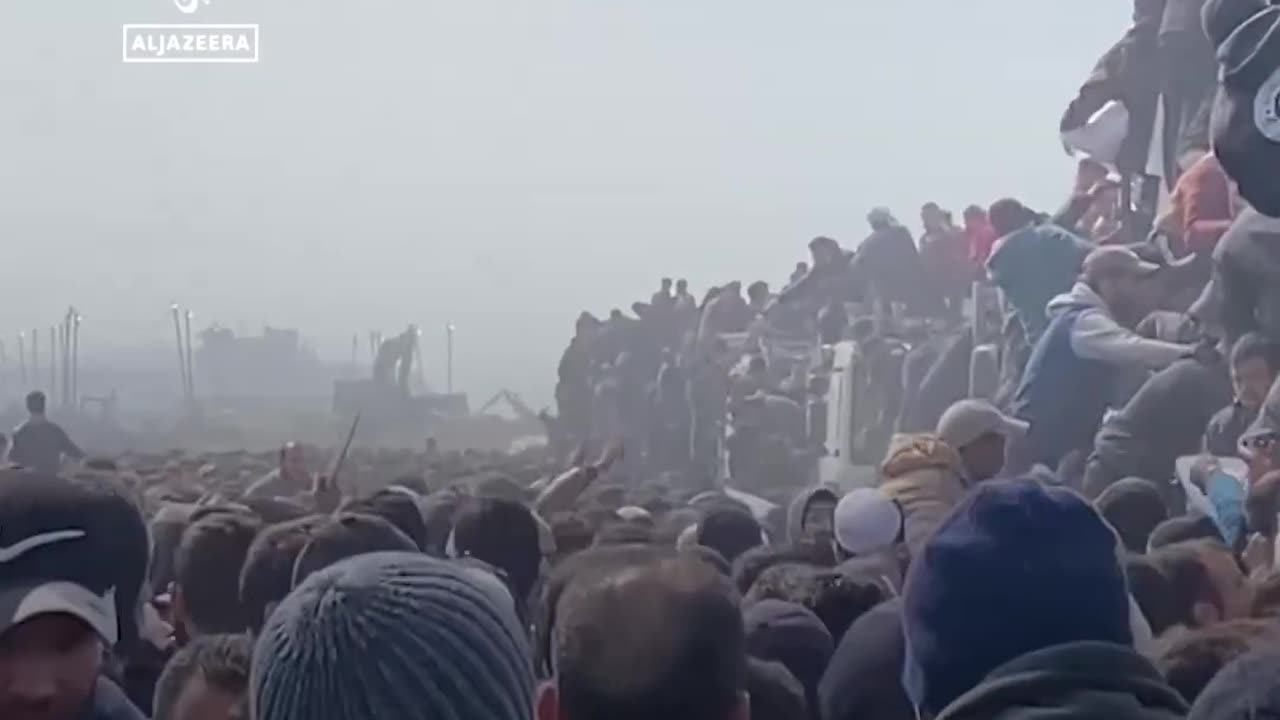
(867, 521)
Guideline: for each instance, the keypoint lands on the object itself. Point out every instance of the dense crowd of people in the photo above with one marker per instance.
(1095, 540)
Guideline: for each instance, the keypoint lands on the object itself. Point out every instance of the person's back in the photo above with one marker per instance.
(923, 475)
(1247, 272)
(890, 263)
(1033, 265)
(1165, 419)
(40, 444)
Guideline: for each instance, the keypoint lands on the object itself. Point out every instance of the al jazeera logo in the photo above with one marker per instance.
(190, 42)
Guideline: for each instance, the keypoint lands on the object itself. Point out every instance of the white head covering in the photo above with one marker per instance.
(866, 521)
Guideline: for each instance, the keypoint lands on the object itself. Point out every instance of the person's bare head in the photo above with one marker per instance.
(933, 217)
(654, 638)
(824, 250)
(1008, 215)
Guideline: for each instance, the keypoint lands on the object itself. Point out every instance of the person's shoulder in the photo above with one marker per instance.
(111, 703)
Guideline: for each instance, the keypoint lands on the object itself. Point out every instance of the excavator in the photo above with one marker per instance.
(388, 409)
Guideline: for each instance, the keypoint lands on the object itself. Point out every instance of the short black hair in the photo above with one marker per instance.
(207, 571)
(1256, 346)
(397, 507)
(1153, 593)
(1134, 508)
(346, 535)
(572, 533)
(750, 564)
(835, 597)
(1182, 529)
(1190, 660)
(730, 532)
(35, 402)
(267, 575)
(682, 657)
(504, 534)
(222, 661)
(776, 694)
(575, 567)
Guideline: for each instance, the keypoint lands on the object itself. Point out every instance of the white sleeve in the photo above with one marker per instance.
(1097, 337)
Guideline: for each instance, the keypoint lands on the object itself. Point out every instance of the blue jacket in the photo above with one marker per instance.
(1062, 395)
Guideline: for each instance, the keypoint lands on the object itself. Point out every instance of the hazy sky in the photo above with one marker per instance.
(502, 165)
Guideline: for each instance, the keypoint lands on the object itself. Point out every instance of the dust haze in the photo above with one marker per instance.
(497, 165)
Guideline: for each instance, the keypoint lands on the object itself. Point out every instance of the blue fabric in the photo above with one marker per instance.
(1062, 395)
(1017, 567)
(1226, 494)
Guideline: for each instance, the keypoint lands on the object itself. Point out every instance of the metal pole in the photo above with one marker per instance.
(35, 356)
(182, 357)
(22, 358)
(65, 339)
(448, 329)
(53, 366)
(191, 373)
(75, 361)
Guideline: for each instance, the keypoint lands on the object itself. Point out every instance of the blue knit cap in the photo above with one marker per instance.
(1016, 567)
(392, 636)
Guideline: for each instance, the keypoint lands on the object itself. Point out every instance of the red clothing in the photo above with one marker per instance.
(981, 238)
(946, 255)
(1201, 205)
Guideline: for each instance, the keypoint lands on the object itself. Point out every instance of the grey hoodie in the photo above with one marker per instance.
(1097, 336)
(800, 505)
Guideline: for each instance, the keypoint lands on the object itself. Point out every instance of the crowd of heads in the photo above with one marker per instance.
(1027, 557)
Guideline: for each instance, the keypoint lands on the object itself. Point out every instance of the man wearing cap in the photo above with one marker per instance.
(1067, 382)
(72, 561)
(929, 474)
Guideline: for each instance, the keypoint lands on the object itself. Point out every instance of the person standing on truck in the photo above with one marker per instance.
(39, 443)
(889, 265)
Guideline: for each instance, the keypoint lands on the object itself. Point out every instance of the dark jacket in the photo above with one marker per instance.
(1246, 272)
(40, 445)
(1130, 73)
(110, 703)
(1222, 436)
(863, 679)
(1088, 680)
(890, 265)
(1165, 419)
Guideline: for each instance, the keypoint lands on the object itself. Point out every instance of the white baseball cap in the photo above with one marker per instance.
(968, 420)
